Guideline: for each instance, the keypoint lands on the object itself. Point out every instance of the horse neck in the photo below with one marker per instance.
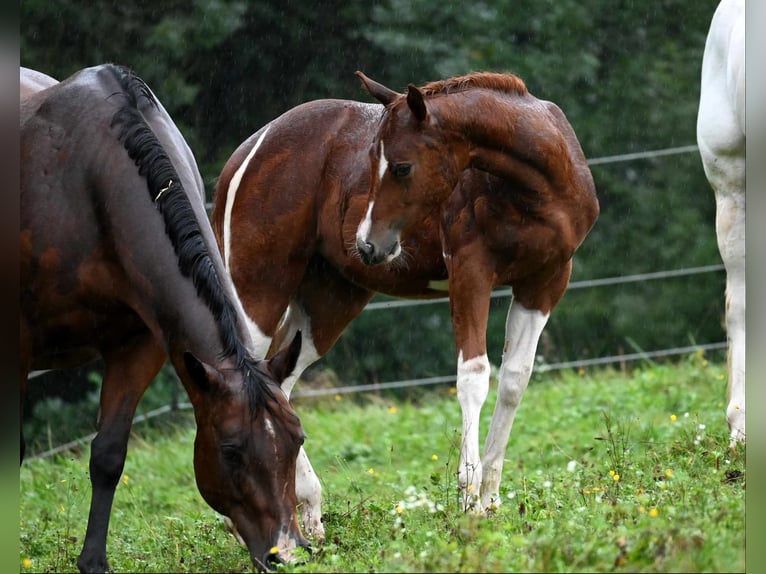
(508, 135)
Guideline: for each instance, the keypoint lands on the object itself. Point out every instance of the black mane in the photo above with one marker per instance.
(167, 193)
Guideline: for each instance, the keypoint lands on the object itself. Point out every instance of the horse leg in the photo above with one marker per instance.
(721, 139)
(129, 370)
(725, 171)
(322, 308)
(469, 304)
(730, 228)
(25, 348)
(524, 324)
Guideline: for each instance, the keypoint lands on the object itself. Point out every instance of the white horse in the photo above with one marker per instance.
(721, 140)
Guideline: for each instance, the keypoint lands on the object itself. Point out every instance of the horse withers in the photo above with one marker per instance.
(472, 182)
(118, 261)
(721, 140)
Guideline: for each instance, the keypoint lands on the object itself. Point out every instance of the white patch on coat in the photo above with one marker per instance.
(231, 193)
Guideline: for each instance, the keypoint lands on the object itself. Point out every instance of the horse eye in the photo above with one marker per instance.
(401, 170)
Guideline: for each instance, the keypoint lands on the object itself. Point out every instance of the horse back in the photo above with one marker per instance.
(94, 251)
(32, 81)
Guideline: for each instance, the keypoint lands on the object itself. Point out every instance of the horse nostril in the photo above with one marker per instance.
(366, 251)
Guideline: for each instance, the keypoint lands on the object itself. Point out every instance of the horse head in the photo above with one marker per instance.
(248, 438)
(413, 170)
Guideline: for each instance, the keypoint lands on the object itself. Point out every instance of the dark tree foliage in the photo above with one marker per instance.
(626, 73)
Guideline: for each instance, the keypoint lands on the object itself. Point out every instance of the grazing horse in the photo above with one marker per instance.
(470, 183)
(721, 140)
(118, 261)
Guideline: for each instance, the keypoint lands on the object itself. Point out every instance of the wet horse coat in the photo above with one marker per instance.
(118, 261)
(478, 185)
(721, 140)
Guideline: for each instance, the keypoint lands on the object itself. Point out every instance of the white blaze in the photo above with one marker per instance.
(364, 227)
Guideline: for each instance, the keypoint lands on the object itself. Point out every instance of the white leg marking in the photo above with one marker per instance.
(522, 332)
(231, 193)
(472, 387)
(308, 489)
(309, 492)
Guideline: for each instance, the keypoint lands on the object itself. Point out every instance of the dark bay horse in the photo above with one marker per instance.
(118, 261)
(470, 182)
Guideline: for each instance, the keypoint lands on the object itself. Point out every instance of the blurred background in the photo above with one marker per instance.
(626, 73)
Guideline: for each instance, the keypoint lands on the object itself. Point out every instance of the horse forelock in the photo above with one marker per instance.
(486, 80)
(182, 227)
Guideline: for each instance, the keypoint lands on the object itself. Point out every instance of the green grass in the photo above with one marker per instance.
(604, 472)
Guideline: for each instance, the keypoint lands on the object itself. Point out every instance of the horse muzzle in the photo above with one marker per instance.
(372, 254)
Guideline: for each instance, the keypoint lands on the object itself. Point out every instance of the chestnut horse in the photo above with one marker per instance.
(118, 261)
(721, 140)
(469, 183)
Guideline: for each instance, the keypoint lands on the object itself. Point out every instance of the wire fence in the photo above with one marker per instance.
(498, 293)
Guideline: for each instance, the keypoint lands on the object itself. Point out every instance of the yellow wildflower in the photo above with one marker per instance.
(673, 418)
(434, 457)
(654, 513)
(669, 473)
(274, 550)
(371, 471)
(337, 397)
(392, 410)
(399, 509)
(125, 479)
(27, 563)
(616, 477)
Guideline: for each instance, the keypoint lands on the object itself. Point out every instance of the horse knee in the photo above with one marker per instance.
(513, 383)
(107, 460)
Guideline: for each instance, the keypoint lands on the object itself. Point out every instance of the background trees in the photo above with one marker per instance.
(625, 72)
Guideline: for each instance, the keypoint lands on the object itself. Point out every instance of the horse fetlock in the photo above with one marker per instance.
(93, 561)
(490, 502)
(311, 522)
(735, 415)
(469, 486)
(490, 488)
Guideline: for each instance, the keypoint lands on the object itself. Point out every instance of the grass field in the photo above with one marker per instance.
(604, 472)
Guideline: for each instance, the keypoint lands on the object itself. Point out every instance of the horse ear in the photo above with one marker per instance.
(283, 363)
(378, 91)
(202, 374)
(416, 102)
